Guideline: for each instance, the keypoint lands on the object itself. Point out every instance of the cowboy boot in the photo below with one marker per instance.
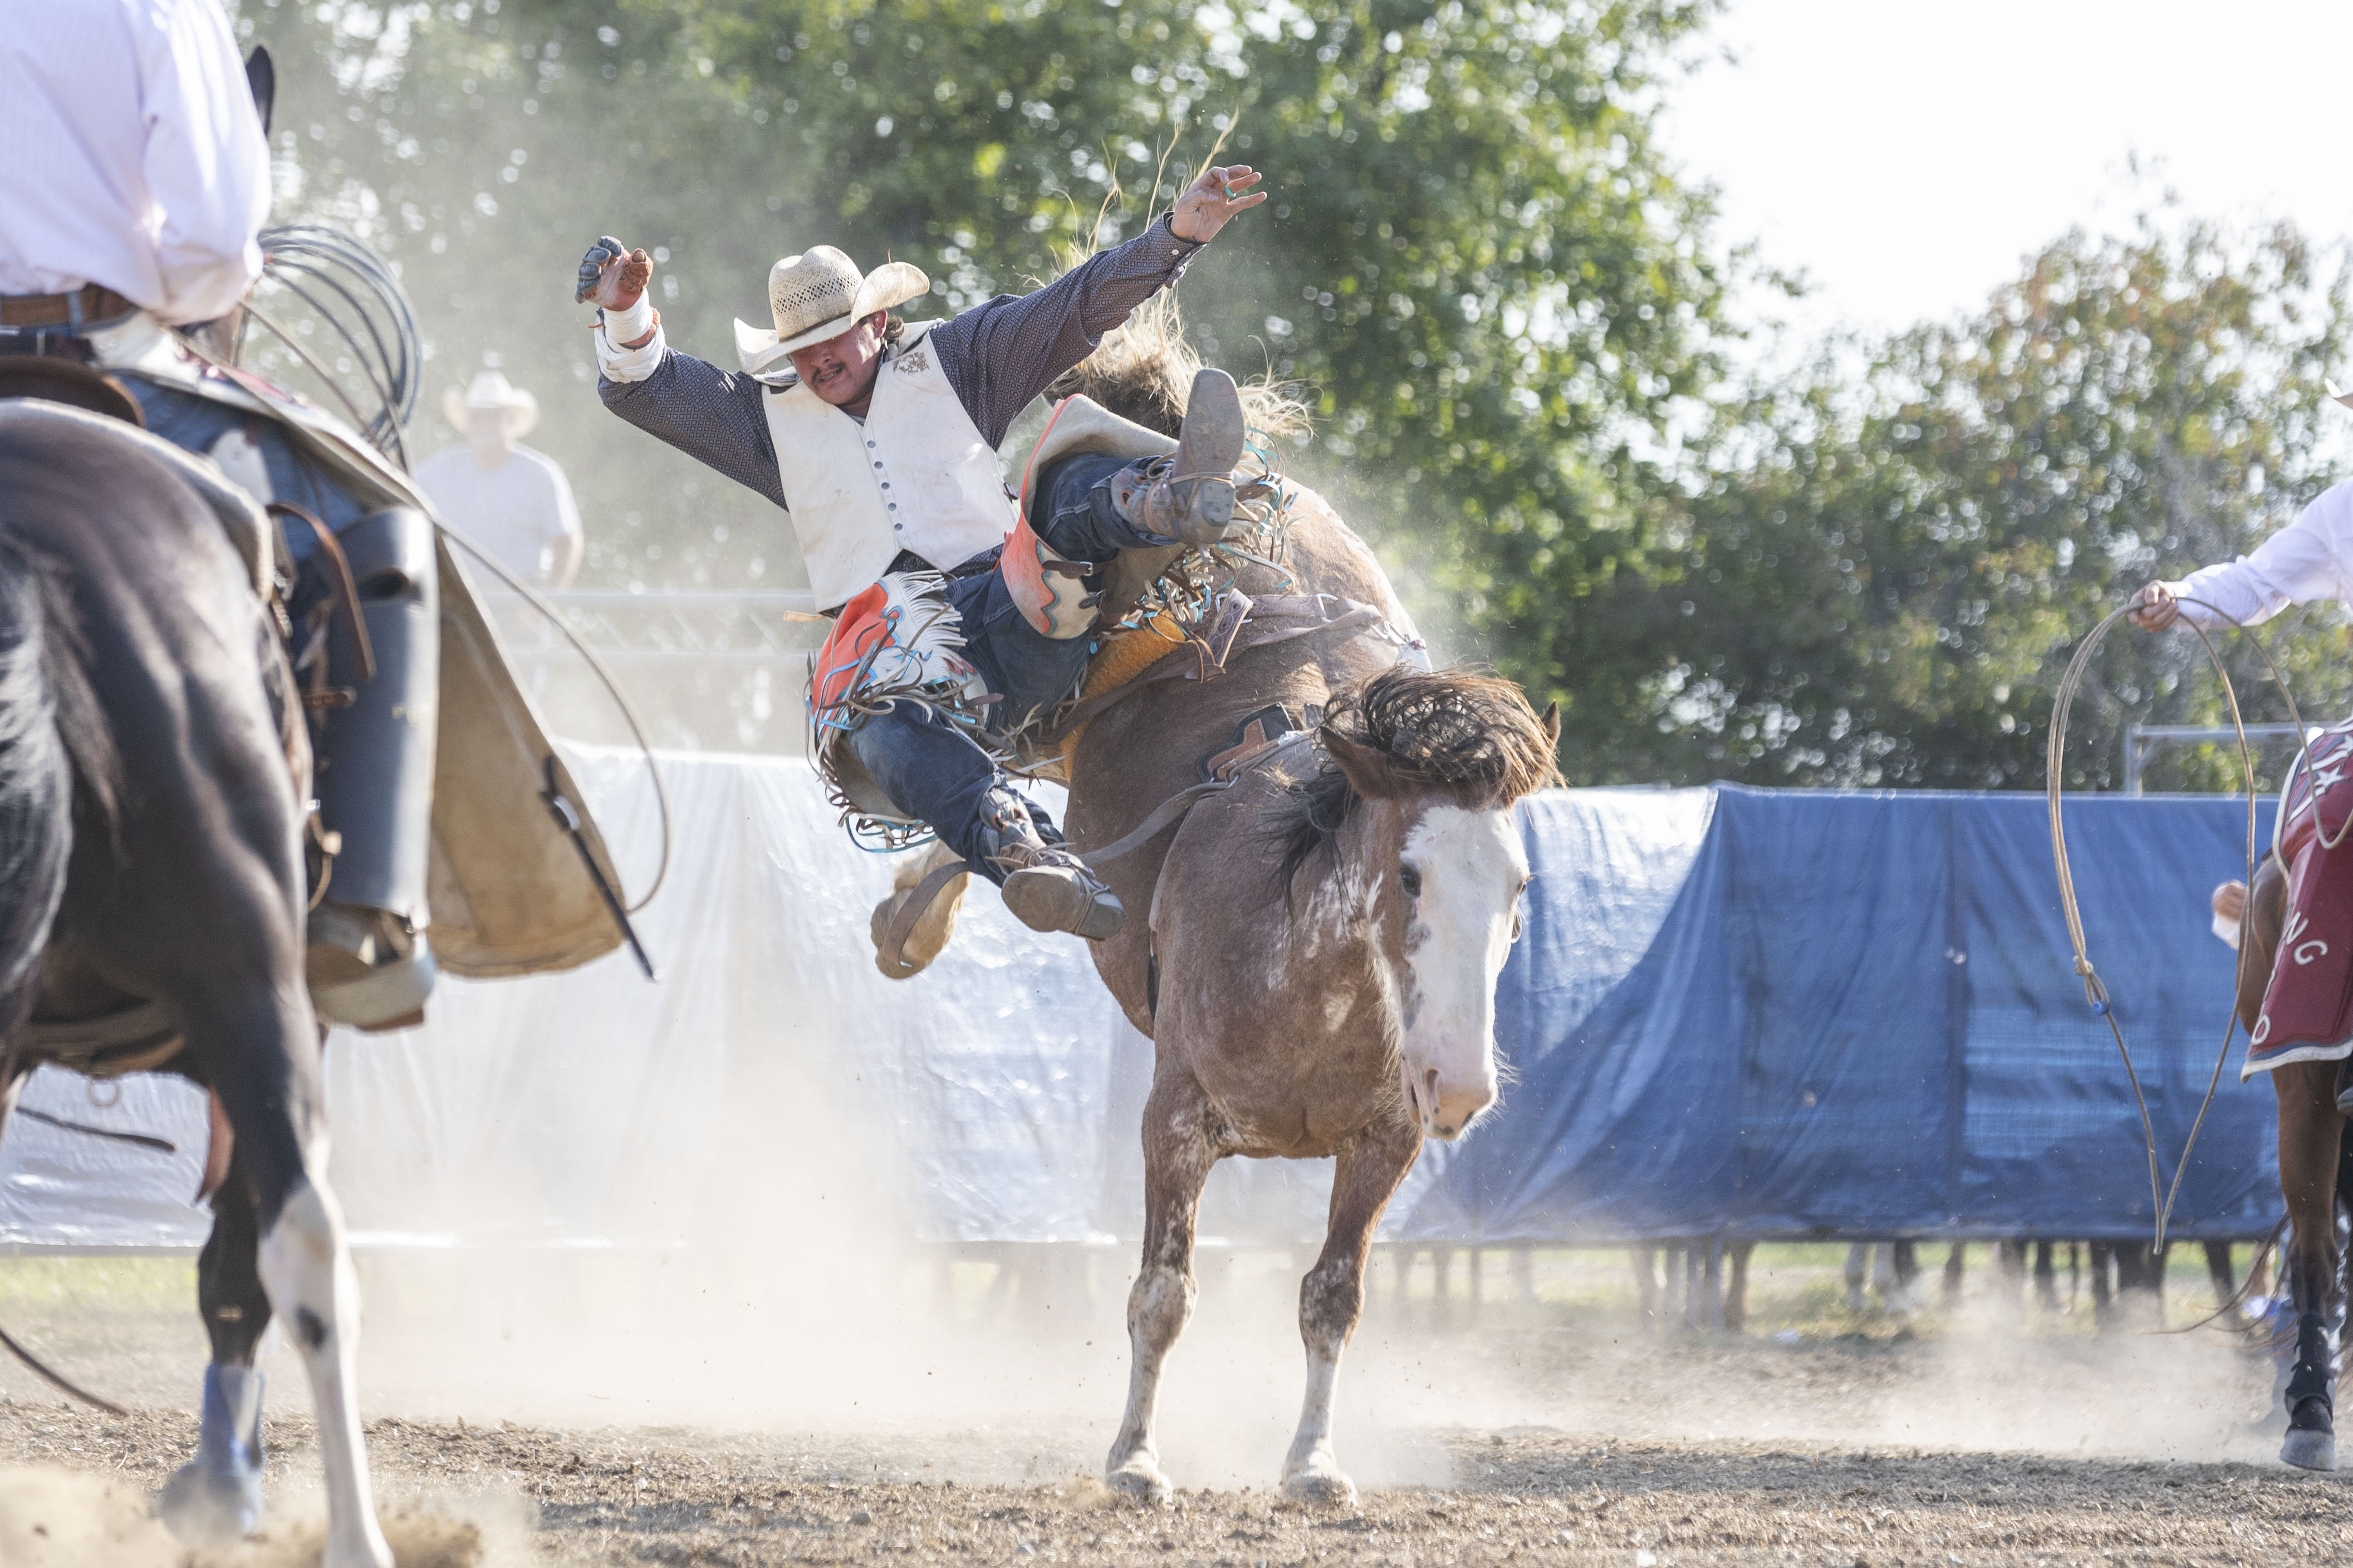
(1046, 887)
(1190, 498)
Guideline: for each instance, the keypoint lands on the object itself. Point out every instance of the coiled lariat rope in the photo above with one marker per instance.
(2095, 991)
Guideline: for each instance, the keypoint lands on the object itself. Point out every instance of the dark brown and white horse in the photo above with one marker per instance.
(1314, 950)
(1325, 942)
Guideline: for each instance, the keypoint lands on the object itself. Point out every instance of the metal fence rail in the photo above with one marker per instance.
(632, 628)
(706, 671)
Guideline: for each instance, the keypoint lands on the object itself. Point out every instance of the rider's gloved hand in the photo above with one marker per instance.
(1212, 200)
(2154, 608)
(613, 277)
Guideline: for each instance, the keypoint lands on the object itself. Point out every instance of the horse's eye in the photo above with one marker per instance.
(1409, 879)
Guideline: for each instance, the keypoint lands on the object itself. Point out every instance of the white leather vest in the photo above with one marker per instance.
(916, 476)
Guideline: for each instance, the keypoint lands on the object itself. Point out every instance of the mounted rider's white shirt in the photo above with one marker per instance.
(917, 474)
(2309, 559)
(133, 158)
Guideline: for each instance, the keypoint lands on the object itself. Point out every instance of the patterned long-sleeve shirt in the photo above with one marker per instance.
(997, 356)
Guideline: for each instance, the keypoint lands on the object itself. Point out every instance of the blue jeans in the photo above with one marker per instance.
(194, 424)
(928, 766)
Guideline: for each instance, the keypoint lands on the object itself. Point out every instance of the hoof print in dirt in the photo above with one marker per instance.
(2310, 1450)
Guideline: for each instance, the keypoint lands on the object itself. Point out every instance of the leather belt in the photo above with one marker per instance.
(89, 305)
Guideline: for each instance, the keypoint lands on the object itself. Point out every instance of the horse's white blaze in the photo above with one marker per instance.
(314, 1295)
(1458, 933)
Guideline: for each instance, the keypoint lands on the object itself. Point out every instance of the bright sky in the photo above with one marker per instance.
(1908, 155)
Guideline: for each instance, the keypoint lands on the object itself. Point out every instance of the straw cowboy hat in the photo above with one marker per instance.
(820, 294)
(491, 389)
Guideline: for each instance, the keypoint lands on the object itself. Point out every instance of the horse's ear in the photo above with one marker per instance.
(1366, 767)
(1551, 725)
(261, 81)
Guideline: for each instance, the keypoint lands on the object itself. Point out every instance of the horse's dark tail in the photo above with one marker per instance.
(51, 730)
(41, 684)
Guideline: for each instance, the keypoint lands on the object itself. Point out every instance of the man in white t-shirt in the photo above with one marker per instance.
(509, 502)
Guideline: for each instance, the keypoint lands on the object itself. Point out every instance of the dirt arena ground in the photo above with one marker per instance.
(1565, 1432)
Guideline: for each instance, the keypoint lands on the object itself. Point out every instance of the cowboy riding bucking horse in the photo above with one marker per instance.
(958, 613)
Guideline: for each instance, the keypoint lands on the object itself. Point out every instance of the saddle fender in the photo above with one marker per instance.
(1050, 592)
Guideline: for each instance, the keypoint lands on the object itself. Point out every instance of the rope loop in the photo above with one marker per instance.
(2161, 1197)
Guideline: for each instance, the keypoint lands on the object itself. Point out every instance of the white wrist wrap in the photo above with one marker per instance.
(627, 326)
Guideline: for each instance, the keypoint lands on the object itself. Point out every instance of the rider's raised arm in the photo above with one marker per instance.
(709, 413)
(1005, 351)
(2311, 559)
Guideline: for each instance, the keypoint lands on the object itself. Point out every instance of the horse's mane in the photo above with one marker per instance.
(1462, 734)
(1143, 369)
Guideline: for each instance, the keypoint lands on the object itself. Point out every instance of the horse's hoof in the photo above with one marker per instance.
(2310, 1450)
(211, 1502)
(1328, 1488)
(1139, 1481)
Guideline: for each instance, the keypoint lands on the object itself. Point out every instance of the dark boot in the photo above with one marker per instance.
(1190, 498)
(1046, 886)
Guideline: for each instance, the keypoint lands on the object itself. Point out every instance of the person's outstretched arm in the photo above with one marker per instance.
(1003, 353)
(712, 414)
(2309, 559)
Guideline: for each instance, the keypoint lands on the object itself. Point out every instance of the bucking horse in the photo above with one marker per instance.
(1314, 836)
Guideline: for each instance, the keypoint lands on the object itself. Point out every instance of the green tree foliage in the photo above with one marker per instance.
(1881, 580)
(1476, 257)
(1506, 307)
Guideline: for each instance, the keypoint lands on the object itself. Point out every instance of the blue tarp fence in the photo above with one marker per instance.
(1783, 1013)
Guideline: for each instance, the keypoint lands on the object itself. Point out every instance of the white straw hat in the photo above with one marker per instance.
(491, 389)
(820, 294)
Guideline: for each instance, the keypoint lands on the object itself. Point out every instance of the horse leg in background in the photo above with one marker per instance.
(2218, 1270)
(216, 1496)
(2102, 1308)
(1904, 1267)
(1369, 1168)
(2311, 1139)
(2140, 1278)
(1736, 1292)
(1858, 1269)
(1177, 1155)
(1646, 1281)
(1957, 1262)
(2046, 1279)
(2009, 1267)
